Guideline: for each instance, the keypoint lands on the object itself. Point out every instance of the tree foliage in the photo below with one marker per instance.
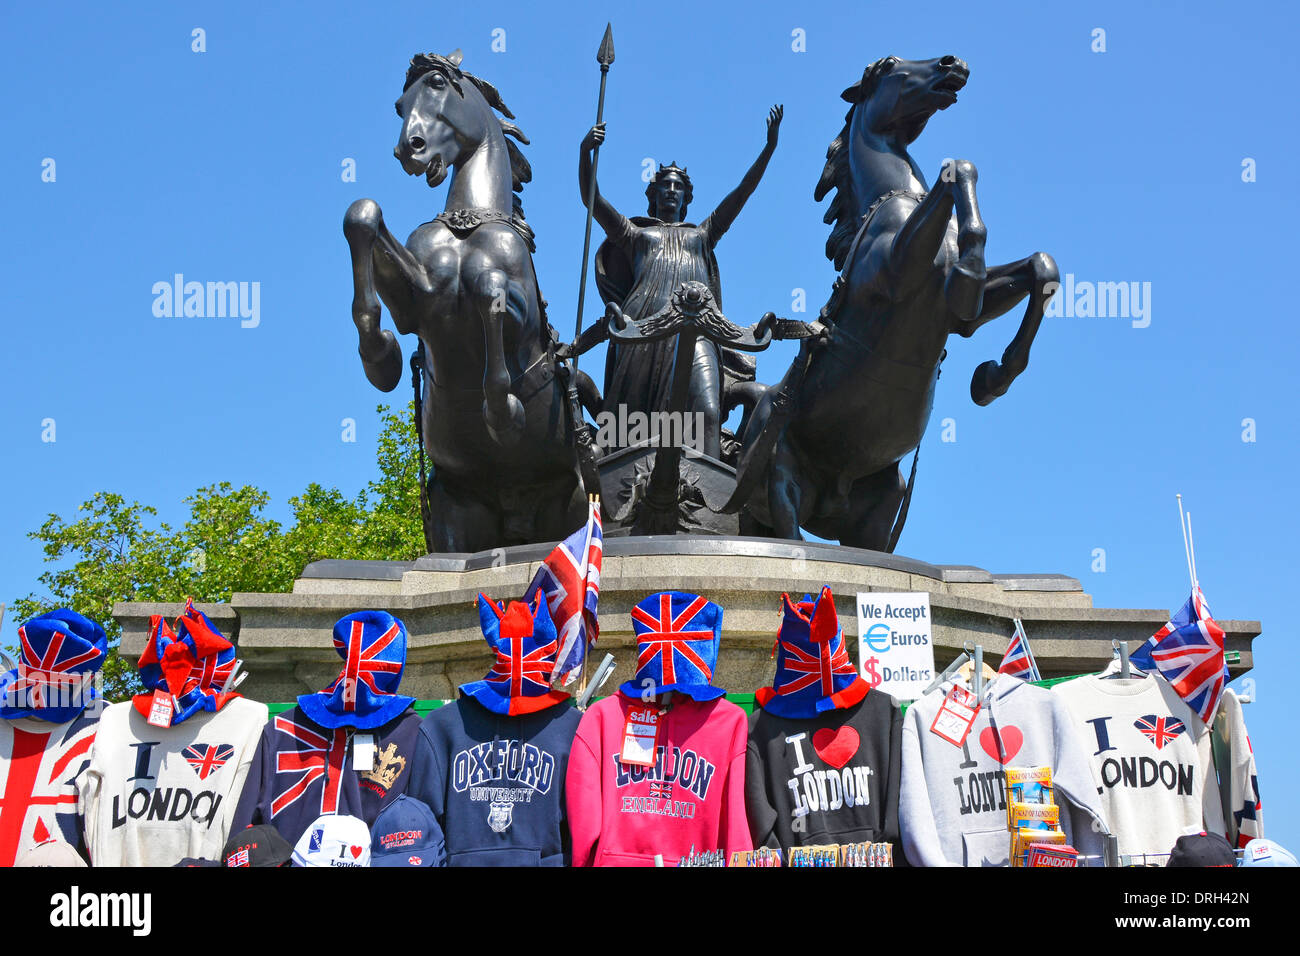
(115, 551)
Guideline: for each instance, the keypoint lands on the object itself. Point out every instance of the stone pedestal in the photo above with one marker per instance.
(284, 639)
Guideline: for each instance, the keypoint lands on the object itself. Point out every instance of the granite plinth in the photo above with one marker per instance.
(284, 639)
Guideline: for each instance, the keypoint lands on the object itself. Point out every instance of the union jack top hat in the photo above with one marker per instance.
(58, 650)
(192, 662)
(524, 639)
(813, 671)
(677, 646)
(364, 695)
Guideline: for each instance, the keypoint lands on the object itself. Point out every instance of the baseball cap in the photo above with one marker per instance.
(1261, 852)
(406, 833)
(334, 839)
(1201, 849)
(261, 845)
(50, 853)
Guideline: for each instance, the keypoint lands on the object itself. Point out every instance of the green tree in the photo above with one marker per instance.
(114, 551)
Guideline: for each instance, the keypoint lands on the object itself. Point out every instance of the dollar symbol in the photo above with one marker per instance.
(872, 677)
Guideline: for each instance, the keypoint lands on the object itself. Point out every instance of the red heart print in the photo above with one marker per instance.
(836, 747)
(356, 852)
(1001, 751)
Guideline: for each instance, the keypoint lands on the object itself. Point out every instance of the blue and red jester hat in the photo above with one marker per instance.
(191, 662)
(677, 646)
(813, 671)
(59, 653)
(364, 695)
(525, 642)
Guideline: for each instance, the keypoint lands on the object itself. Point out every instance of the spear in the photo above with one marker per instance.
(604, 56)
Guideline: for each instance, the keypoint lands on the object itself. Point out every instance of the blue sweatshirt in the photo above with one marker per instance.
(496, 783)
(302, 770)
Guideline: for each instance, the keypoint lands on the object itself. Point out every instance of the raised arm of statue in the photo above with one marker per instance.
(720, 220)
(617, 226)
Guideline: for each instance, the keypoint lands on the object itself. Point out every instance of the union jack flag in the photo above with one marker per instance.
(238, 858)
(523, 674)
(570, 579)
(804, 669)
(662, 640)
(1159, 730)
(206, 759)
(320, 756)
(41, 667)
(664, 790)
(1019, 659)
(359, 664)
(1188, 652)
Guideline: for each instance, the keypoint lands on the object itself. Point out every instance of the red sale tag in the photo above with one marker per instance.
(160, 709)
(956, 715)
(640, 733)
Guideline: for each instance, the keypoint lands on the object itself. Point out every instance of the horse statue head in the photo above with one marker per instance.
(897, 97)
(447, 113)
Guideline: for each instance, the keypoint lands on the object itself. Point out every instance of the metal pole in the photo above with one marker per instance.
(604, 56)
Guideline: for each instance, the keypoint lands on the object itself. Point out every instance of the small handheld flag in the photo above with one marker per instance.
(1019, 659)
(1188, 652)
(570, 579)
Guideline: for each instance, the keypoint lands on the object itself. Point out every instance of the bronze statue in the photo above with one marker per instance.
(821, 449)
(642, 262)
(495, 418)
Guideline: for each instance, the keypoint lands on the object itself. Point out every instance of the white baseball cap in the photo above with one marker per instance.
(334, 840)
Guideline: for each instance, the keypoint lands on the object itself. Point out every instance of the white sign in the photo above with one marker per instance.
(895, 644)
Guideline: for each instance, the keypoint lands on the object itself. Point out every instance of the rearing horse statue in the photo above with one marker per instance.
(821, 449)
(495, 419)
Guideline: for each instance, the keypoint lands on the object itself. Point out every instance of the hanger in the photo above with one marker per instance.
(1119, 665)
(975, 672)
(947, 672)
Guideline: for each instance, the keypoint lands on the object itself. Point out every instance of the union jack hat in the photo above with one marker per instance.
(364, 695)
(191, 661)
(57, 652)
(813, 671)
(677, 646)
(525, 642)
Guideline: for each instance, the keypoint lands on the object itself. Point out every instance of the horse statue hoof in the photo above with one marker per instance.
(383, 365)
(986, 384)
(507, 429)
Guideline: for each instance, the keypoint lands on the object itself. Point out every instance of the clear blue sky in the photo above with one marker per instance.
(1125, 165)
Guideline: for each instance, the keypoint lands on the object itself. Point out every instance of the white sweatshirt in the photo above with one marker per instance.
(952, 806)
(1238, 779)
(1150, 756)
(153, 796)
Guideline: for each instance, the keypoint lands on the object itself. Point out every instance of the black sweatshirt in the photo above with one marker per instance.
(832, 778)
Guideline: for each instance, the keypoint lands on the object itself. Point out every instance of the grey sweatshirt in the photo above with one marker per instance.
(952, 804)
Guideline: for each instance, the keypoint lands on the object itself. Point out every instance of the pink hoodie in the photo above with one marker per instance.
(695, 794)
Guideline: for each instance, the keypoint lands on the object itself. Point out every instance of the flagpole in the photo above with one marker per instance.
(1191, 551)
(586, 546)
(1187, 551)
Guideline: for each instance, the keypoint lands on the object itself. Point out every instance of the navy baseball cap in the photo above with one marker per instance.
(406, 833)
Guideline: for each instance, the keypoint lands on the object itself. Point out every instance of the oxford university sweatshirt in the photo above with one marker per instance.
(153, 796)
(952, 801)
(496, 783)
(1150, 755)
(694, 795)
(832, 778)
